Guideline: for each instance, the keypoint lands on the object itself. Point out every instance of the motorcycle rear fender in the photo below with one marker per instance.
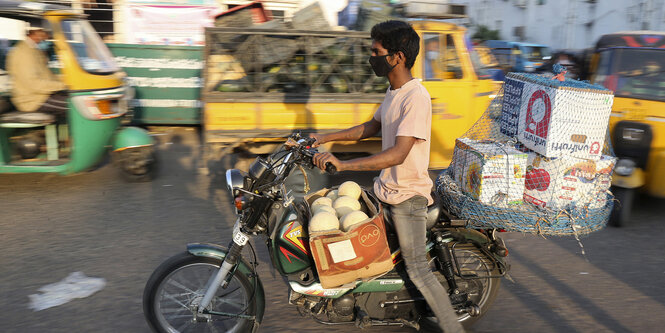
(219, 252)
(480, 239)
(473, 236)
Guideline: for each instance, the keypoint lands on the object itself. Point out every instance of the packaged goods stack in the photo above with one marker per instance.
(538, 161)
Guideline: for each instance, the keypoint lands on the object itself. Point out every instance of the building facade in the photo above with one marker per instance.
(564, 24)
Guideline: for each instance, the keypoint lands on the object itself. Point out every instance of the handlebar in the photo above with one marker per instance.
(304, 146)
(331, 169)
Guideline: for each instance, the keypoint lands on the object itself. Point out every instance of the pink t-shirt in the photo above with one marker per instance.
(406, 111)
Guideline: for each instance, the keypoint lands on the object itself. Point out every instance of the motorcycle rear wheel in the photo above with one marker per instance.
(482, 291)
(173, 291)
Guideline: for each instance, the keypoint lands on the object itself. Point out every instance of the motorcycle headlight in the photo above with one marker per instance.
(625, 167)
(235, 181)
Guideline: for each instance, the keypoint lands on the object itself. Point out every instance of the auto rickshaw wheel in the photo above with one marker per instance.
(136, 164)
(622, 208)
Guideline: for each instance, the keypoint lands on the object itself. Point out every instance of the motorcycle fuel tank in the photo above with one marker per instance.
(291, 247)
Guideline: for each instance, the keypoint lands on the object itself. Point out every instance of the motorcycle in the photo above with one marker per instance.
(211, 288)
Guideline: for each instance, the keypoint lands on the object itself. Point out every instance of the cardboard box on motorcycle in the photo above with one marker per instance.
(490, 172)
(362, 252)
(554, 118)
(559, 183)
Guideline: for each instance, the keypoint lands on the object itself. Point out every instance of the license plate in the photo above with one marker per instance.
(238, 236)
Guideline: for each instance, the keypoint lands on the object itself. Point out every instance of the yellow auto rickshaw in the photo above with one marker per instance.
(631, 64)
(98, 97)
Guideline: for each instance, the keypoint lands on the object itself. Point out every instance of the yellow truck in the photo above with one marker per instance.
(260, 85)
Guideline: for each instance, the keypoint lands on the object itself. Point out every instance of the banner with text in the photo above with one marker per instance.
(168, 25)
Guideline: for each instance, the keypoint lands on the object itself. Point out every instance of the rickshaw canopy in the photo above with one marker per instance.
(643, 39)
(32, 11)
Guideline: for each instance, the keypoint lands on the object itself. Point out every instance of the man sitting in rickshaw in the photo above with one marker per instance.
(34, 87)
(645, 82)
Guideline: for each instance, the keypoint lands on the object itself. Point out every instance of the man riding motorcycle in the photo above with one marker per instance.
(404, 119)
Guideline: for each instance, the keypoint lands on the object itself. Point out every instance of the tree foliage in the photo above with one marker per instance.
(484, 33)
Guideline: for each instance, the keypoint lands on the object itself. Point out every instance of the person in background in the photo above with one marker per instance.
(431, 58)
(404, 119)
(565, 59)
(516, 59)
(34, 87)
(648, 81)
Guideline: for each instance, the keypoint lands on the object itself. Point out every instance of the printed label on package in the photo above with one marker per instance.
(536, 117)
(538, 114)
(512, 98)
(342, 251)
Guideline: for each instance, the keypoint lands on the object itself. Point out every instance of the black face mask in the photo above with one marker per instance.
(380, 65)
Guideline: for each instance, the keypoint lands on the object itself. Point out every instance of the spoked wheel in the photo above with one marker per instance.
(480, 288)
(175, 289)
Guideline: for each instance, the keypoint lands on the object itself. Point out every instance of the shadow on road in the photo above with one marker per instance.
(536, 302)
(630, 253)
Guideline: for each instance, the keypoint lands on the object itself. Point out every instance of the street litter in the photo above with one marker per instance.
(76, 285)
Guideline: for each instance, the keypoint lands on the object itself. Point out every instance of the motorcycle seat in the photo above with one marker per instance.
(18, 119)
(433, 214)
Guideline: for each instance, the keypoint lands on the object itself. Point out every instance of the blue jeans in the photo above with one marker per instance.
(410, 218)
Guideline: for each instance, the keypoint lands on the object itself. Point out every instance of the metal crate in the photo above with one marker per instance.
(269, 61)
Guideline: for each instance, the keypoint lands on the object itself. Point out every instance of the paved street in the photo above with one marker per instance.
(51, 226)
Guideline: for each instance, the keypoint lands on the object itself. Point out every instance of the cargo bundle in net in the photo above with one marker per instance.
(539, 160)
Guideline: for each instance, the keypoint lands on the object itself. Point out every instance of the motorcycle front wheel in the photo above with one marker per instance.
(481, 288)
(173, 292)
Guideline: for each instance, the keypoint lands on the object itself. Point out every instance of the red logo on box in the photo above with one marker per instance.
(538, 114)
(595, 148)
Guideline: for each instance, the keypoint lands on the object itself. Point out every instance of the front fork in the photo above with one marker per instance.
(224, 274)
